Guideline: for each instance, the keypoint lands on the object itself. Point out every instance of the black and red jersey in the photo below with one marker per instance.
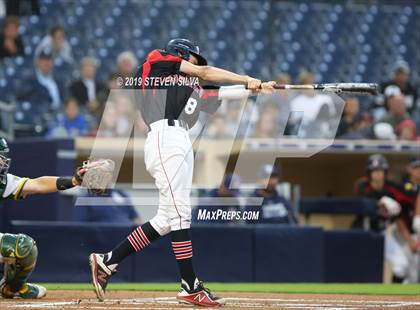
(390, 189)
(163, 92)
(412, 191)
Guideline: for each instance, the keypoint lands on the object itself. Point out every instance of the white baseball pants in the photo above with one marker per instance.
(404, 263)
(169, 159)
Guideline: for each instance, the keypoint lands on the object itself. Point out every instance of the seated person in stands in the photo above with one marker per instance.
(406, 130)
(353, 125)
(42, 87)
(275, 208)
(86, 88)
(401, 79)
(315, 104)
(227, 194)
(114, 206)
(407, 234)
(57, 43)
(389, 197)
(70, 124)
(217, 127)
(126, 64)
(397, 112)
(267, 124)
(10, 43)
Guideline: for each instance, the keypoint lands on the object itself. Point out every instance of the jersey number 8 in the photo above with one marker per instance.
(190, 106)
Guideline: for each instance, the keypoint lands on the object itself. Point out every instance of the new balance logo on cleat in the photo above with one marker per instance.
(200, 296)
(100, 274)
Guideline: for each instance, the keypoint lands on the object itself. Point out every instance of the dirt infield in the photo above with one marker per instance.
(123, 300)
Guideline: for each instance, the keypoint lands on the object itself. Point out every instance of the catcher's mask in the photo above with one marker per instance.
(4, 160)
(183, 48)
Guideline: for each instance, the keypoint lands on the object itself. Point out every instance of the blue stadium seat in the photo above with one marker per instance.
(260, 33)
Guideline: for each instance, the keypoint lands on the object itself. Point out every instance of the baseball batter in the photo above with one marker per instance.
(170, 109)
(18, 252)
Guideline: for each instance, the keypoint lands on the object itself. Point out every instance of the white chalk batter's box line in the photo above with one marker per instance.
(238, 302)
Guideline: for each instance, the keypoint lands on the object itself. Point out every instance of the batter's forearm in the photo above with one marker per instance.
(218, 75)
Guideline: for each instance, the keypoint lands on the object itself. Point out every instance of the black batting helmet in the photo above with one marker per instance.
(183, 48)
(377, 162)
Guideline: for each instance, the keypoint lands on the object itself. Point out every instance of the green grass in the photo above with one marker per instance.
(312, 288)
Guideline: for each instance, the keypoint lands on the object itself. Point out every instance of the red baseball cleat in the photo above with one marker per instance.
(100, 274)
(199, 296)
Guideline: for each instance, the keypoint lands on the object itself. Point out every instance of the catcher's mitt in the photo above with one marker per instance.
(96, 175)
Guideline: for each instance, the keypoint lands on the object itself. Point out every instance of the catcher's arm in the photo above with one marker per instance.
(51, 184)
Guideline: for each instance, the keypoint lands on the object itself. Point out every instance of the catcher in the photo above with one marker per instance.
(19, 252)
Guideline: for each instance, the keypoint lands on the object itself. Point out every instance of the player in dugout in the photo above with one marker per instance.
(407, 234)
(18, 252)
(390, 198)
(275, 208)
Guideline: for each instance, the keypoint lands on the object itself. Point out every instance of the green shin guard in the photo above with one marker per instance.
(19, 254)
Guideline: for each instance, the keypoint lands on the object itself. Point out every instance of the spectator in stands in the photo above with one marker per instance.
(389, 197)
(217, 127)
(114, 122)
(103, 96)
(235, 119)
(115, 206)
(353, 125)
(397, 113)
(10, 42)
(126, 64)
(283, 101)
(406, 130)
(42, 88)
(316, 106)
(57, 43)
(406, 234)
(125, 115)
(267, 124)
(274, 208)
(280, 101)
(401, 79)
(141, 128)
(284, 78)
(111, 83)
(108, 122)
(227, 197)
(383, 131)
(72, 123)
(86, 88)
